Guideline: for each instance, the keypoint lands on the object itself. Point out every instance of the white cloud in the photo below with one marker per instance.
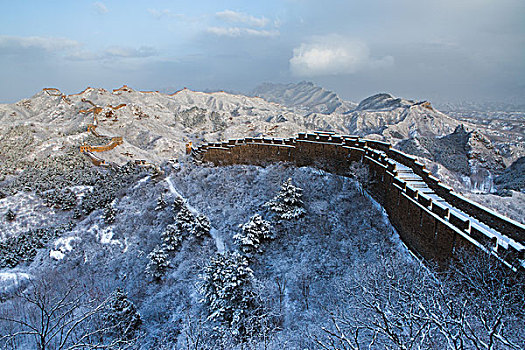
(129, 52)
(239, 17)
(83, 55)
(112, 53)
(334, 54)
(236, 32)
(17, 45)
(159, 14)
(100, 8)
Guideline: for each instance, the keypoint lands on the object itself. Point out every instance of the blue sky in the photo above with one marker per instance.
(438, 50)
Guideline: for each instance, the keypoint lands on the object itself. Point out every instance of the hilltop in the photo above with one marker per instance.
(304, 96)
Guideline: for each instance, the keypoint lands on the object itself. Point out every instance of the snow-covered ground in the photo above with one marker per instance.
(30, 213)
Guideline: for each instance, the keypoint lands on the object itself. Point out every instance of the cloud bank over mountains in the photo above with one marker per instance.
(332, 55)
(437, 50)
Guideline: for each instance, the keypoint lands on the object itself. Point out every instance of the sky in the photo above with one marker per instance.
(437, 50)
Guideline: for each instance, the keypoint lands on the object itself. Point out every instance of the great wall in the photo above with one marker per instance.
(89, 149)
(115, 141)
(432, 220)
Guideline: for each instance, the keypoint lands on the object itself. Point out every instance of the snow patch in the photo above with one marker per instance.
(81, 191)
(104, 235)
(30, 213)
(63, 246)
(11, 280)
(141, 181)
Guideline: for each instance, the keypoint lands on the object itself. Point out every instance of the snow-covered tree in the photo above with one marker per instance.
(185, 219)
(287, 204)
(60, 199)
(55, 313)
(158, 263)
(172, 237)
(178, 203)
(122, 316)
(10, 215)
(186, 225)
(252, 234)
(77, 213)
(109, 214)
(202, 226)
(227, 289)
(161, 203)
(191, 225)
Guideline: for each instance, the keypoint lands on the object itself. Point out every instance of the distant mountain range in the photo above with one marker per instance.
(304, 97)
(155, 126)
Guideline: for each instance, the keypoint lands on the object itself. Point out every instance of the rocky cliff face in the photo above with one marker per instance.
(467, 153)
(513, 178)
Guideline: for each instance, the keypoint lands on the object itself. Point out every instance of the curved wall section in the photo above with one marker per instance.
(432, 220)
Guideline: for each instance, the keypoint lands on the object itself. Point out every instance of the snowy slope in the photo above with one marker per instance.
(304, 95)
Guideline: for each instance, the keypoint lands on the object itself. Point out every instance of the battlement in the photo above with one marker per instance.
(430, 217)
(115, 141)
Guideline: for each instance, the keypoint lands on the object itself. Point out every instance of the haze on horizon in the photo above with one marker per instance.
(444, 50)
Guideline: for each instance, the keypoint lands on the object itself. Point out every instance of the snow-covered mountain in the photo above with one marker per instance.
(304, 96)
(394, 119)
(469, 154)
(155, 126)
(154, 256)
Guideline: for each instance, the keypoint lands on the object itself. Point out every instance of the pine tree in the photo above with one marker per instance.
(252, 234)
(10, 215)
(186, 225)
(201, 227)
(287, 204)
(172, 237)
(178, 203)
(109, 214)
(185, 219)
(161, 203)
(122, 316)
(158, 263)
(227, 289)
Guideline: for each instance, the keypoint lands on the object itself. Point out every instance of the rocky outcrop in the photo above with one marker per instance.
(383, 101)
(467, 153)
(513, 178)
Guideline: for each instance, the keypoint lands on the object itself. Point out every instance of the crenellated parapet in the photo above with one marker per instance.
(434, 221)
(115, 141)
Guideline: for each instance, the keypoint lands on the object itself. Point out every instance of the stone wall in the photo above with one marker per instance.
(429, 228)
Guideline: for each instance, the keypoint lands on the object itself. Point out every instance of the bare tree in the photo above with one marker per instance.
(45, 317)
(281, 289)
(305, 281)
(475, 305)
